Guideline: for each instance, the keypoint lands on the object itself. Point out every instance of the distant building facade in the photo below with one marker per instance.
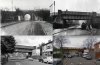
(97, 50)
(36, 53)
(73, 51)
(22, 51)
(47, 49)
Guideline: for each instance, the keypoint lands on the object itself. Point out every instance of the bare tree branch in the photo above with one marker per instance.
(88, 43)
(61, 40)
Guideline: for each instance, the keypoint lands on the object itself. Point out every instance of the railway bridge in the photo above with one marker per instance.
(91, 17)
(8, 16)
(27, 12)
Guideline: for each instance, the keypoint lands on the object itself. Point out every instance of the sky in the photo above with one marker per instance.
(77, 41)
(71, 5)
(31, 40)
(78, 5)
(25, 4)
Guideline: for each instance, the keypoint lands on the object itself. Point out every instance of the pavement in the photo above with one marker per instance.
(9, 23)
(76, 61)
(27, 28)
(25, 62)
(79, 61)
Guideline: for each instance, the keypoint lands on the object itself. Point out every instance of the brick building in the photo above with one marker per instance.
(97, 50)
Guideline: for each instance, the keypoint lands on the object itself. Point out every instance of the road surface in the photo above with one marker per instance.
(38, 29)
(81, 61)
(78, 61)
(25, 62)
(26, 28)
(75, 31)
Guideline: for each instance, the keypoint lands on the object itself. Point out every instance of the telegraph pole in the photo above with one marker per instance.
(54, 8)
(12, 10)
(53, 4)
(12, 5)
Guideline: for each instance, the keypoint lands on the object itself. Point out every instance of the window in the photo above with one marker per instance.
(48, 47)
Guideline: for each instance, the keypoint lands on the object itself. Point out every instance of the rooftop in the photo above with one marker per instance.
(25, 47)
(71, 48)
(47, 43)
(97, 43)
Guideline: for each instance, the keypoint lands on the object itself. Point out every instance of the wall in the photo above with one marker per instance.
(36, 52)
(97, 50)
(96, 22)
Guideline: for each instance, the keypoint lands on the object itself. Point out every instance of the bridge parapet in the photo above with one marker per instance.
(76, 13)
(91, 17)
(60, 12)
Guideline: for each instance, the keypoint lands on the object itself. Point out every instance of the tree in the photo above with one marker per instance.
(18, 11)
(7, 16)
(59, 42)
(43, 13)
(88, 44)
(90, 41)
(7, 44)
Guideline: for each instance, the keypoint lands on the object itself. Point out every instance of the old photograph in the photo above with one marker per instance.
(78, 17)
(25, 17)
(76, 50)
(49, 32)
(26, 50)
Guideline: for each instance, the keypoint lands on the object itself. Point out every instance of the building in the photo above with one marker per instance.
(36, 53)
(72, 50)
(97, 50)
(22, 51)
(47, 49)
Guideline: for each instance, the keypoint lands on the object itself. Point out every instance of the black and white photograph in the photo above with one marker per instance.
(49, 32)
(26, 50)
(76, 50)
(78, 17)
(25, 17)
